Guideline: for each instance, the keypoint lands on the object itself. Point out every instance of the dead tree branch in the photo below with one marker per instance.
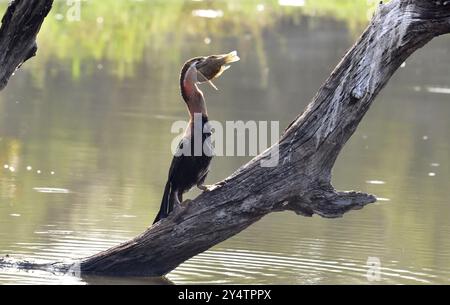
(308, 150)
(20, 25)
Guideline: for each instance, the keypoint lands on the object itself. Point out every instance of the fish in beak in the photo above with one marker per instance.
(213, 66)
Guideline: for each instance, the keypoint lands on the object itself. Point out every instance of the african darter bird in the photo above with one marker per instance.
(191, 161)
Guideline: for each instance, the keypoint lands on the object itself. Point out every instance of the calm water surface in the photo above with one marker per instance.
(85, 148)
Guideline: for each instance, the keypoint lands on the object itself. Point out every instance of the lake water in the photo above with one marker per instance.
(85, 148)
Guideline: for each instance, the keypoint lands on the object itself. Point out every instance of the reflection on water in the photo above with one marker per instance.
(85, 145)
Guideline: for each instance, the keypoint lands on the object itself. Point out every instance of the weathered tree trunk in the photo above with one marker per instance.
(308, 149)
(20, 25)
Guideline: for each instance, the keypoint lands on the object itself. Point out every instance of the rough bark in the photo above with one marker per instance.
(20, 25)
(307, 150)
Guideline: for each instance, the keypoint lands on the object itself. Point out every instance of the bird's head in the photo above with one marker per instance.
(211, 67)
(206, 68)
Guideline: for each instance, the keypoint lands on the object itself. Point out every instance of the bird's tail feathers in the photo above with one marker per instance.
(166, 203)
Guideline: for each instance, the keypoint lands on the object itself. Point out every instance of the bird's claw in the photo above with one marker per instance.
(205, 188)
(186, 201)
(209, 188)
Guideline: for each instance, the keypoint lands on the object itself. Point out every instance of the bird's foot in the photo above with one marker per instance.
(221, 183)
(209, 188)
(186, 201)
(205, 188)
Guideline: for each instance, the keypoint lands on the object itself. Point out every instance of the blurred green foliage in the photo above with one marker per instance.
(119, 31)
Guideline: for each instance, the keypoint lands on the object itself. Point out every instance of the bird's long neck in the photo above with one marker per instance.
(190, 92)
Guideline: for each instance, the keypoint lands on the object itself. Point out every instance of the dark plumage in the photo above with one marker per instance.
(190, 164)
(186, 171)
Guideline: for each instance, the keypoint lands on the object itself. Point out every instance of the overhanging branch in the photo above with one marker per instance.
(20, 25)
